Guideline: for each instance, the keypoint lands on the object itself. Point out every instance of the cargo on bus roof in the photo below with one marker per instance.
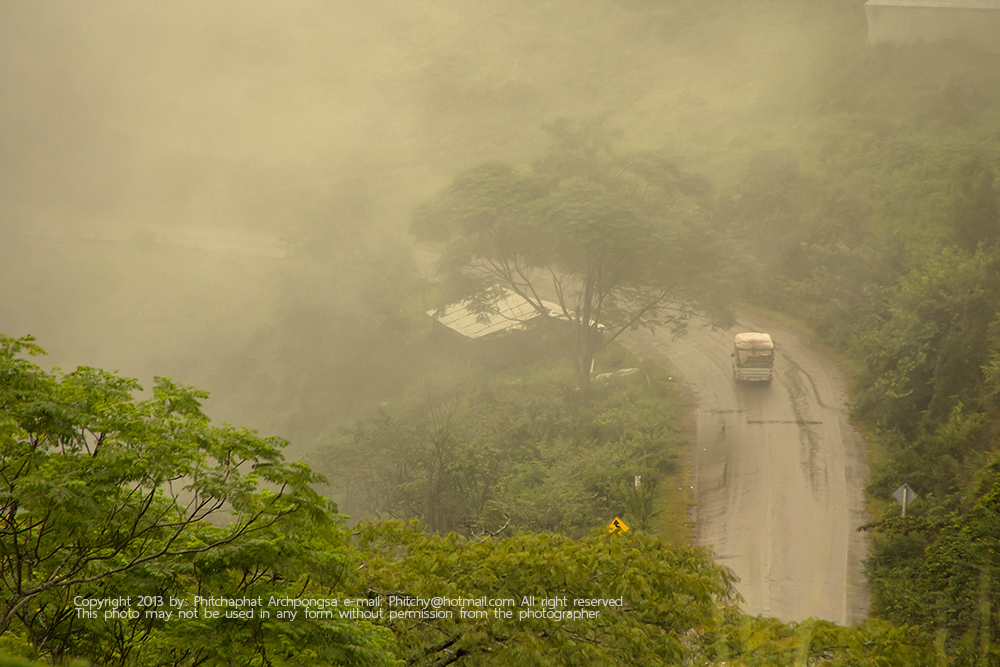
(753, 341)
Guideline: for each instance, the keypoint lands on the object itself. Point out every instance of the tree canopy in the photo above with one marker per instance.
(617, 240)
(108, 496)
(670, 594)
(103, 495)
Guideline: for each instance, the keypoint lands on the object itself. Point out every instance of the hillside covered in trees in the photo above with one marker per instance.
(135, 533)
(762, 146)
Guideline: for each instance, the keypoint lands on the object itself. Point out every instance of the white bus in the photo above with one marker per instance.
(753, 357)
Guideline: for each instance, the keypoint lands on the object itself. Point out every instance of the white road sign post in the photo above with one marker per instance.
(904, 495)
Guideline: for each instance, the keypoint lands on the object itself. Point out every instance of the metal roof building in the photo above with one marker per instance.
(510, 332)
(512, 313)
(929, 21)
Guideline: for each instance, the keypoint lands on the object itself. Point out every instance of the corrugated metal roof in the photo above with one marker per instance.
(938, 4)
(512, 313)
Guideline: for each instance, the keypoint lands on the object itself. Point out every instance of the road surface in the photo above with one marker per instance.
(778, 472)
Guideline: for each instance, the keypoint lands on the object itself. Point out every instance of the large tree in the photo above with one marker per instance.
(618, 240)
(106, 496)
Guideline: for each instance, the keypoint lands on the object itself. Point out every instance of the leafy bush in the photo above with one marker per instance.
(513, 448)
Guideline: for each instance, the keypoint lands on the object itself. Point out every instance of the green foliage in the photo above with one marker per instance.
(963, 569)
(670, 595)
(757, 641)
(614, 239)
(514, 448)
(106, 496)
(940, 575)
(976, 207)
(98, 472)
(680, 607)
(875, 220)
(929, 348)
(911, 294)
(14, 662)
(942, 464)
(859, 186)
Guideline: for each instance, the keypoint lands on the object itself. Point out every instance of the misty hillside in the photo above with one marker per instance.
(255, 198)
(136, 135)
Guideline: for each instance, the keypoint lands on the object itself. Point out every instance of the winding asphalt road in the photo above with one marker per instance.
(778, 472)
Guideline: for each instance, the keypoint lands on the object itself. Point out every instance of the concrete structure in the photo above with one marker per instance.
(929, 21)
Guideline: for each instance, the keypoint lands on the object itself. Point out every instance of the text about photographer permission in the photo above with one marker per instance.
(382, 607)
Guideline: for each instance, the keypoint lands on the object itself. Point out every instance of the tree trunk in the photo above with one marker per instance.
(583, 359)
(584, 347)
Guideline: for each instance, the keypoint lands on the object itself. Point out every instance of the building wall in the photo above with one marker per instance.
(900, 24)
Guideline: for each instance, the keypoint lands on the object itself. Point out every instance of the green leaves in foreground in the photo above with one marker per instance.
(670, 594)
(679, 607)
(103, 496)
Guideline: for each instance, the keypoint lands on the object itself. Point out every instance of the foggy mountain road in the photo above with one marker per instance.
(778, 472)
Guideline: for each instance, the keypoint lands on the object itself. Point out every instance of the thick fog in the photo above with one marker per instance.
(220, 192)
